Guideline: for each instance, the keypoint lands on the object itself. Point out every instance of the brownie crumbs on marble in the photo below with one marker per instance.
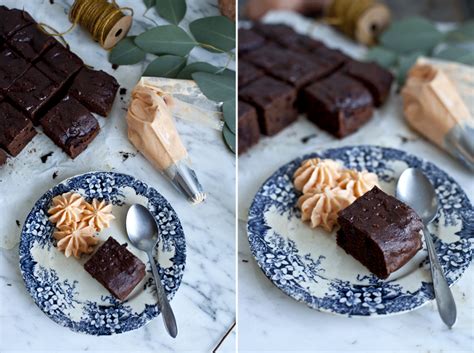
(380, 231)
(116, 268)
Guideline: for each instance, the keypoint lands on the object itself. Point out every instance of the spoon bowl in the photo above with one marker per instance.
(143, 233)
(415, 189)
(141, 227)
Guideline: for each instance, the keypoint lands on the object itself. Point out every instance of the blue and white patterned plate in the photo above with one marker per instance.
(308, 265)
(66, 292)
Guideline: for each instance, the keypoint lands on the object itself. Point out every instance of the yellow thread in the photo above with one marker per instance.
(345, 14)
(98, 17)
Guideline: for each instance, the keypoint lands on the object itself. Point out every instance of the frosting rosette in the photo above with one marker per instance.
(316, 174)
(66, 209)
(357, 182)
(98, 214)
(75, 239)
(320, 207)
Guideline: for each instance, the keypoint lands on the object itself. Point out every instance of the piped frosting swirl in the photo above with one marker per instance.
(357, 182)
(75, 239)
(66, 209)
(317, 173)
(98, 214)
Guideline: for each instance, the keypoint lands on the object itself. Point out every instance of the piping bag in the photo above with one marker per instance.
(152, 130)
(438, 102)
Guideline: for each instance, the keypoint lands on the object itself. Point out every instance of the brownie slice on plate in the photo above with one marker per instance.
(59, 64)
(30, 42)
(32, 92)
(116, 268)
(275, 103)
(377, 80)
(380, 231)
(338, 104)
(71, 126)
(249, 132)
(95, 89)
(16, 131)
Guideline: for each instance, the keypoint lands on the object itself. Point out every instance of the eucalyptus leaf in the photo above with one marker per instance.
(404, 65)
(171, 10)
(165, 66)
(229, 114)
(411, 34)
(215, 33)
(382, 56)
(149, 3)
(229, 138)
(218, 88)
(465, 32)
(186, 73)
(168, 39)
(461, 55)
(126, 52)
(228, 72)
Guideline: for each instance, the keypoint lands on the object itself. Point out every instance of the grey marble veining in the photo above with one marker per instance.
(270, 320)
(205, 303)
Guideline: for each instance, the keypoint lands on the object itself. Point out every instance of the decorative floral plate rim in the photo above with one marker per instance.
(53, 297)
(280, 261)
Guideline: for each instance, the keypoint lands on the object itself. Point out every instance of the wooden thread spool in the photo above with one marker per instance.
(362, 20)
(104, 20)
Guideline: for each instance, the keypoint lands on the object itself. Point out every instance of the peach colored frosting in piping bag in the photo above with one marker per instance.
(434, 107)
(152, 131)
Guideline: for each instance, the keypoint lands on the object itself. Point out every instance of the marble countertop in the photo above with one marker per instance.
(269, 320)
(205, 303)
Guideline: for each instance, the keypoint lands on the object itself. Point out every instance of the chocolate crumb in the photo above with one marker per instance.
(307, 138)
(55, 175)
(51, 2)
(17, 223)
(9, 284)
(123, 91)
(126, 155)
(45, 157)
(245, 260)
(115, 66)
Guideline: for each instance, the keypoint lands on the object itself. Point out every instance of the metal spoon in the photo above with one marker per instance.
(143, 233)
(416, 190)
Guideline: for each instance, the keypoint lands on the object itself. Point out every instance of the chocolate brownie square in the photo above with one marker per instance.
(275, 103)
(59, 64)
(265, 57)
(12, 66)
(95, 89)
(32, 92)
(248, 73)
(249, 132)
(380, 231)
(273, 31)
(377, 80)
(333, 56)
(16, 131)
(249, 40)
(13, 20)
(3, 157)
(71, 126)
(338, 104)
(30, 42)
(116, 268)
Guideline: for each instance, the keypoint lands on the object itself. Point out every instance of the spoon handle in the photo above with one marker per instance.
(165, 308)
(444, 297)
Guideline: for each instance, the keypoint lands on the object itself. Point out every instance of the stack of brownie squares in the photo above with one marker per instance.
(43, 83)
(283, 73)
